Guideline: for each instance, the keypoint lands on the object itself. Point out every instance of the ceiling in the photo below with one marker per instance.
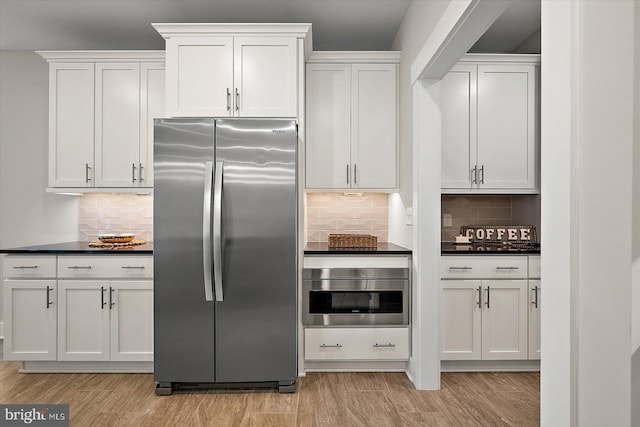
(125, 24)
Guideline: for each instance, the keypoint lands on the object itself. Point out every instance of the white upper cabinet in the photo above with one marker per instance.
(490, 125)
(71, 112)
(328, 125)
(101, 111)
(352, 120)
(199, 76)
(117, 124)
(234, 70)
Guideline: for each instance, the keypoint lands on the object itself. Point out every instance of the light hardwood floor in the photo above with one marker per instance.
(323, 399)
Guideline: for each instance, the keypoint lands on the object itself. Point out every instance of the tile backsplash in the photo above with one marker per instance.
(475, 210)
(110, 213)
(340, 213)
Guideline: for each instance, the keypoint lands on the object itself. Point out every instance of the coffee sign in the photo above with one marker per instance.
(500, 233)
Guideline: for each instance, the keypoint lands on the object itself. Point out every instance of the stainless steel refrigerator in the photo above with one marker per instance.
(225, 253)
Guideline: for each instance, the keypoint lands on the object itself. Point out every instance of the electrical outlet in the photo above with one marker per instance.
(408, 216)
(447, 220)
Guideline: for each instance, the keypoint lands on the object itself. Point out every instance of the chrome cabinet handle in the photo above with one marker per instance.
(23, 267)
(237, 100)
(330, 346)
(474, 174)
(80, 267)
(355, 173)
(228, 100)
(111, 303)
(133, 267)
(49, 289)
(488, 303)
(507, 268)
(140, 173)
(376, 345)
(479, 297)
(102, 297)
(133, 172)
(347, 174)
(87, 168)
(535, 293)
(482, 176)
(206, 232)
(217, 232)
(460, 268)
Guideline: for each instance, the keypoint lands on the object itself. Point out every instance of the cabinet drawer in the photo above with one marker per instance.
(30, 266)
(483, 267)
(107, 266)
(534, 266)
(357, 344)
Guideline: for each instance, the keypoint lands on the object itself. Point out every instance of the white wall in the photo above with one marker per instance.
(587, 132)
(28, 215)
(419, 21)
(635, 297)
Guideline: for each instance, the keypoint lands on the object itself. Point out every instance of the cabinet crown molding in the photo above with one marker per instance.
(355, 57)
(102, 55)
(501, 58)
(298, 30)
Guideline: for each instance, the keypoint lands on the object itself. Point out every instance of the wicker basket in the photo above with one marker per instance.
(352, 241)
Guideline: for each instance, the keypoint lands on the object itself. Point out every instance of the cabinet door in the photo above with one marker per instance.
(458, 109)
(83, 320)
(199, 76)
(265, 77)
(131, 304)
(373, 125)
(504, 319)
(152, 106)
(535, 295)
(328, 126)
(30, 319)
(507, 126)
(71, 131)
(117, 122)
(461, 320)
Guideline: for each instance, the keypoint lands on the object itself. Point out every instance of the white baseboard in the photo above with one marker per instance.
(362, 366)
(490, 366)
(86, 367)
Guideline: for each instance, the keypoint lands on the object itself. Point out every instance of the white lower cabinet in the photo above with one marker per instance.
(322, 344)
(488, 318)
(105, 320)
(78, 308)
(30, 319)
(535, 292)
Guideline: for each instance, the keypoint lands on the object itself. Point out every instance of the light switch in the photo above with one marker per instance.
(447, 220)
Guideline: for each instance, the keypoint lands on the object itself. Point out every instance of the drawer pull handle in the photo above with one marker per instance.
(460, 268)
(22, 267)
(376, 345)
(80, 267)
(507, 268)
(133, 267)
(331, 346)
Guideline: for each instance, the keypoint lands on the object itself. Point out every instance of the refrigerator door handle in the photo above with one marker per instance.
(206, 232)
(217, 232)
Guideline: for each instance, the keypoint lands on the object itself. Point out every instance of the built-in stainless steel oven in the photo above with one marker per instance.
(360, 296)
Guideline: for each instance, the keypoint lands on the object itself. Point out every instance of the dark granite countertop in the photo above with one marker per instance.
(79, 248)
(384, 248)
(449, 248)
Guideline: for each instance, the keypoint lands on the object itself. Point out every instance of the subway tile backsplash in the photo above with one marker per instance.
(115, 213)
(475, 210)
(339, 213)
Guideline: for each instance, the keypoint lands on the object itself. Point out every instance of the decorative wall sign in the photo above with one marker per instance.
(500, 233)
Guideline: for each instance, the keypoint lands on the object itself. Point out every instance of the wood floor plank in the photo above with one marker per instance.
(323, 399)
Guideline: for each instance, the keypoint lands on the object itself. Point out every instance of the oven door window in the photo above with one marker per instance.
(328, 302)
